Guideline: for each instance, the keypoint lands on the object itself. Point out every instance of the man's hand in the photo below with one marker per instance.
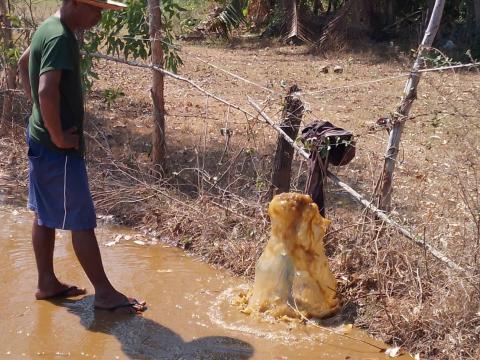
(69, 139)
(23, 73)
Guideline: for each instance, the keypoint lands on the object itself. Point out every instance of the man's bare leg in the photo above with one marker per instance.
(106, 297)
(43, 240)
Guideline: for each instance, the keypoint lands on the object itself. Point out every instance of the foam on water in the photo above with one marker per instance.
(224, 312)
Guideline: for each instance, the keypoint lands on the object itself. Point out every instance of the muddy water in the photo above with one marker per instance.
(189, 316)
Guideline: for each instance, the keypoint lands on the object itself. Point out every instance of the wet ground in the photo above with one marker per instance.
(189, 315)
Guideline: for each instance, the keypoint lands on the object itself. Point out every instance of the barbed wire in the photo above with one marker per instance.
(172, 75)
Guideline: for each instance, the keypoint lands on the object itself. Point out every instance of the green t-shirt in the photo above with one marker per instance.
(55, 47)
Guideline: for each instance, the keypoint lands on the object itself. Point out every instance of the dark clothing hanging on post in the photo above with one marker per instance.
(328, 144)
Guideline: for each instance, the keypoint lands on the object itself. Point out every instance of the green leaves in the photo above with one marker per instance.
(123, 32)
(15, 21)
(12, 55)
(9, 49)
(126, 33)
(172, 9)
(110, 96)
(231, 18)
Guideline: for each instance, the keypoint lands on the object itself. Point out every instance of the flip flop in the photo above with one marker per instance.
(133, 304)
(70, 291)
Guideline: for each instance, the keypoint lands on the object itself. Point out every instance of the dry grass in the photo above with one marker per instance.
(211, 204)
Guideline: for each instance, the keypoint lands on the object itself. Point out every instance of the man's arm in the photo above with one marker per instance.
(49, 98)
(23, 73)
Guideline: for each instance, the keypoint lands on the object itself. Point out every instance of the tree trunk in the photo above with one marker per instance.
(258, 11)
(360, 16)
(318, 7)
(282, 167)
(159, 148)
(476, 4)
(389, 12)
(385, 14)
(410, 94)
(10, 71)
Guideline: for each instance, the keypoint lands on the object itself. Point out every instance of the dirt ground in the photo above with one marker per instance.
(212, 201)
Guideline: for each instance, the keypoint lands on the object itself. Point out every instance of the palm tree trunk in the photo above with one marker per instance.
(159, 148)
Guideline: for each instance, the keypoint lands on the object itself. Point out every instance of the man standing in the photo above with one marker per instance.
(58, 186)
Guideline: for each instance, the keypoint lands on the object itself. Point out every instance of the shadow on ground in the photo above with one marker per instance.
(142, 338)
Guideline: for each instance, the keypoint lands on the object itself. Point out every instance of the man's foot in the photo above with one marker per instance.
(60, 291)
(130, 307)
(119, 303)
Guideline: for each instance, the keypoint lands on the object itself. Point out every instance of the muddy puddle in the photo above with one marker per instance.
(189, 315)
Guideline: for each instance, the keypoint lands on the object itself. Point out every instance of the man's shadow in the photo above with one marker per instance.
(142, 338)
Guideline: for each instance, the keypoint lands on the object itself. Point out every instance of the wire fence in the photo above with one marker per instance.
(268, 102)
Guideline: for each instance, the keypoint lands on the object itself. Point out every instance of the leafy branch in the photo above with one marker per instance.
(126, 33)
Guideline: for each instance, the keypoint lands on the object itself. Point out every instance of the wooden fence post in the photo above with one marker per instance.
(282, 167)
(384, 185)
(159, 147)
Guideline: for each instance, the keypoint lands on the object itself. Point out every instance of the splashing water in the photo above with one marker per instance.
(292, 278)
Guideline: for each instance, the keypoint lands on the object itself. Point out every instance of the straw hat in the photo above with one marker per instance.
(105, 4)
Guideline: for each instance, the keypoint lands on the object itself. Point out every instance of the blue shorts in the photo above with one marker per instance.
(58, 189)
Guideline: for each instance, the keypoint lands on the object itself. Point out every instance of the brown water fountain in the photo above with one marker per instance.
(292, 277)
